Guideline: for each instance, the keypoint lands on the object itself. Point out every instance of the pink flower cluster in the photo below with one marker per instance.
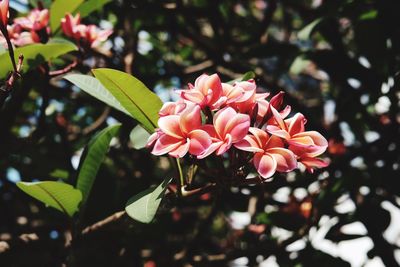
(212, 117)
(85, 35)
(30, 29)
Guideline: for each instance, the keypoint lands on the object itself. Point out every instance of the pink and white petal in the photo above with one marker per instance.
(286, 111)
(225, 145)
(275, 130)
(181, 150)
(278, 118)
(250, 144)
(165, 144)
(317, 138)
(170, 125)
(285, 159)
(221, 119)
(274, 141)
(199, 142)
(193, 96)
(190, 119)
(238, 127)
(260, 136)
(296, 124)
(213, 147)
(265, 164)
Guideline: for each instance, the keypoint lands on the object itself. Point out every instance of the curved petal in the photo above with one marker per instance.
(221, 119)
(199, 142)
(260, 136)
(265, 164)
(296, 124)
(273, 142)
(238, 127)
(193, 96)
(214, 88)
(249, 143)
(210, 150)
(285, 159)
(165, 144)
(181, 150)
(190, 119)
(225, 145)
(170, 126)
(275, 130)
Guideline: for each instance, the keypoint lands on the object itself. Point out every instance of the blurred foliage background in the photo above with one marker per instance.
(338, 62)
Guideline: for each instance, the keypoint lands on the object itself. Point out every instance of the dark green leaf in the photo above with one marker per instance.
(93, 156)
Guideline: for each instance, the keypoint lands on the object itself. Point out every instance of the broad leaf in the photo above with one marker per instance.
(58, 195)
(143, 206)
(92, 158)
(305, 33)
(36, 54)
(58, 10)
(139, 137)
(93, 87)
(90, 6)
(133, 95)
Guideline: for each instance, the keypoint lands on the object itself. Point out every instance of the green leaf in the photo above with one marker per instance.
(92, 158)
(305, 33)
(369, 15)
(143, 206)
(90, 6)
(139, 137)
(58, 195)
(58, 10)
(93, 87)
(248, 75)
(133, 95)
(36, 54)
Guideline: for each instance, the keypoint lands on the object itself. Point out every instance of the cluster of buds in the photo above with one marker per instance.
(218, 118)
(84, 35)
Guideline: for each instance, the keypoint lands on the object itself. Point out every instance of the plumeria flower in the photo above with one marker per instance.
(172, 108)
(35, 21)
(206, 92)
(229, 127)
(95, 36)
(269, 153)
(180, 134)
(4, 6)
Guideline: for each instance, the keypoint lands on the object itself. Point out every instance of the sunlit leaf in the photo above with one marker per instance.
(133, 95)
(92, 158)
(58, 195)
(36, 54)
(143, 206)
(93, 87)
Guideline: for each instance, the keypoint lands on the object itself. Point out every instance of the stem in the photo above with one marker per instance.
(10, 49)
(181, 179)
